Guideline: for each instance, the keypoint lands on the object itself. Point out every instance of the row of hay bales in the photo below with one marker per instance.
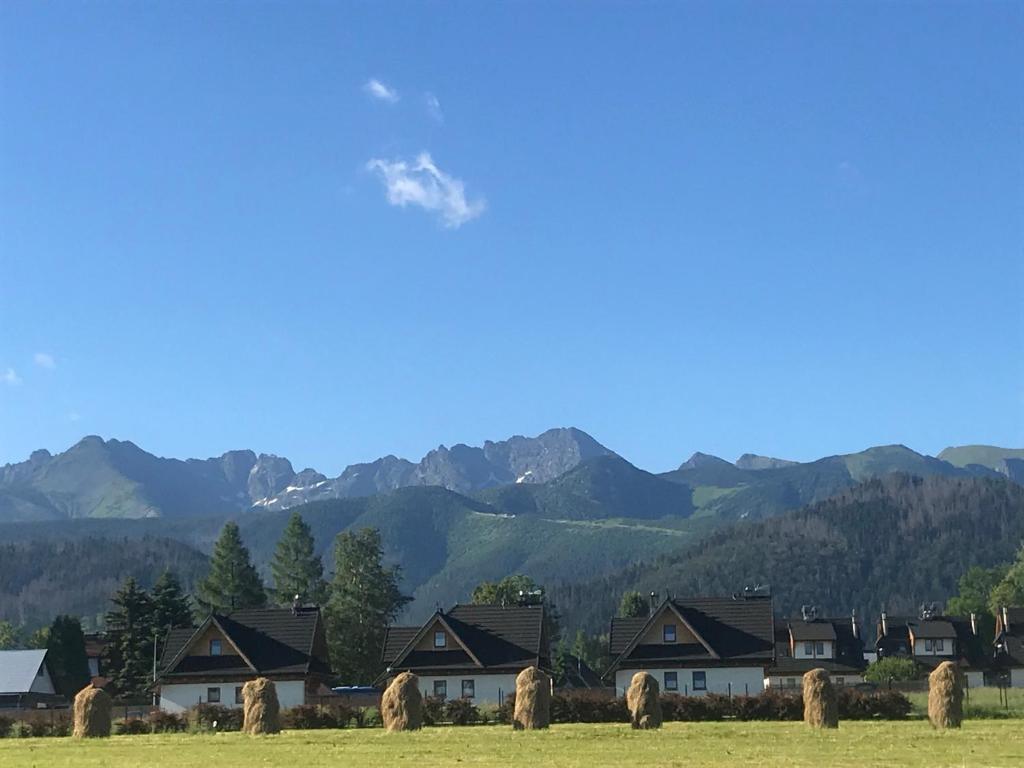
(402, 704)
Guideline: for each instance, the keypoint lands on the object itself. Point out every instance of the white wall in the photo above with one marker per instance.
(42, 683)
(1017, 678)
(489, 689)
(947, 648)
(975, 679)
(800, 649)
(177, 697)
(783, 681)
(744, 680)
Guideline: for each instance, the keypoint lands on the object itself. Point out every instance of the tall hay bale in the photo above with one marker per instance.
(533, 700)
(401, 706)
(260, 708)
(946, 696)
(92, 713)
(642, 701)
(821, 709)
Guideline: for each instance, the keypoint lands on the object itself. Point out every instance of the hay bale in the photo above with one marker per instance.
(260, 708)
(642, 701)
(92, 713)
(533, 700)
(946, 696)
(401, 706)
(821, 709)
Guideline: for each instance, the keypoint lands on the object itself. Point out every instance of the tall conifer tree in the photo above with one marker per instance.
(296, 568)
(130, 630)
(233, 583)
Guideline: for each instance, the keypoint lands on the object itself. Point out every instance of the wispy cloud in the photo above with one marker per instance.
(10, 377)
(74, 416)
(44, 360)
(425, 185)
(433, 107)
(381, 91)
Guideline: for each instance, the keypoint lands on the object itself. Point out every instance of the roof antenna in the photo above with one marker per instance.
(296, 605)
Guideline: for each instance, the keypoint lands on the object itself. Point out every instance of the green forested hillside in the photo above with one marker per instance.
(893, 542)
(40, 579)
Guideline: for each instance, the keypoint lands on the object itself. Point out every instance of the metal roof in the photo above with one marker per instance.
(18, 669)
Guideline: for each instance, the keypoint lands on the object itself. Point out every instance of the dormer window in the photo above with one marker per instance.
(668, 633)
(215, 648)
(940, 646)
(808, 648)
(440, 640)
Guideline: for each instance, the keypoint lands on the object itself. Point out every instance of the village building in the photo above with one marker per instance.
(26, 681)
(1009, 647)
(211, 663)
(834, 645)
(471, 652)
(932, 639)
(699, 645)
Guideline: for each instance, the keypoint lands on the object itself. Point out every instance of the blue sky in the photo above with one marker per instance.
(334, 231)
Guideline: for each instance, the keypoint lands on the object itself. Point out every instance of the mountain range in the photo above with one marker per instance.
(560, 507)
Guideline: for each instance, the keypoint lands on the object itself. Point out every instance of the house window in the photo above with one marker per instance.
(239, 699)
(808, 648)
(791, 682)
(440, 640)
(215, 648)
(940, 646)
(819, 648)
(671, 681)
(840, 681)
(468, 689)
(441, 689)
(700, 681)
(668, 633)
(213, 695)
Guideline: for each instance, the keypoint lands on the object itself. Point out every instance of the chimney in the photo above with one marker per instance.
(853, 623)
(885, 628)
(654, 596)
(974, 624)
(1006, 620)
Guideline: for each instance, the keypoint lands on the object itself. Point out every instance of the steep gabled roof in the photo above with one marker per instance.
(932, 629)
(18, 669)
(727, 629)
(489, 637)
(819, 629)
(267, 640)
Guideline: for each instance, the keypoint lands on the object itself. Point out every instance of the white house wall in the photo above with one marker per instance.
(42, 683)
(488, 689)
(744, 680)
(177, 697)
(792, 682)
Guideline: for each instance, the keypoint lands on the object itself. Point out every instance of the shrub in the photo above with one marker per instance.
(433, 710)
(21, 730)
(585, 706)
(883, 705)
(895, 668)
(461, 712)
(372, 718)
(306, 717)
(214, 717)
(5, 726)
(504, 711)
(133, 726)
(770, 705)
(166, 722)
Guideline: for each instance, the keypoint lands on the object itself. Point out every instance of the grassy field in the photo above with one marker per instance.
(910, 744)
(981, 702)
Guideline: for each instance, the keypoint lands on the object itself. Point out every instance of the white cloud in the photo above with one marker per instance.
(74, 416)
(433, 107)
(379, 90)
(10, 377)
(44, 360)
(424, 184)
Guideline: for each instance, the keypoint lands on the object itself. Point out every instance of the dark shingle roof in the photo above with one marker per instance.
(932, 629)
(819, 629)
(734, 628)
(275, 640)
(499, 636)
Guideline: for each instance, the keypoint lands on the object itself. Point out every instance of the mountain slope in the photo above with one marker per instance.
(893, 542)
(1005, 461)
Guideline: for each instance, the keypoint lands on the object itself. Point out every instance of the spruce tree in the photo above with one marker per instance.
(171, 606)
(633, 606)
(296, 568)
(232, 583)
(130, 630)
(364, 600)
(66, 656)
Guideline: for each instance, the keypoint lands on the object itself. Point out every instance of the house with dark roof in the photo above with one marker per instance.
(812, 643)
(1009, 646)
(26, 681)
(697, 645)
(932, 639)
(211, 663)
(472, 652)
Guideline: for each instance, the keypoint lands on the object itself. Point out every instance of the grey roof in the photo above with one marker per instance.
(735, 629)
(18, 669)
(812, 630)
(932, 628)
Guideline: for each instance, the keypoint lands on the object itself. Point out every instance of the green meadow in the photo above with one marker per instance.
(908, 744)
